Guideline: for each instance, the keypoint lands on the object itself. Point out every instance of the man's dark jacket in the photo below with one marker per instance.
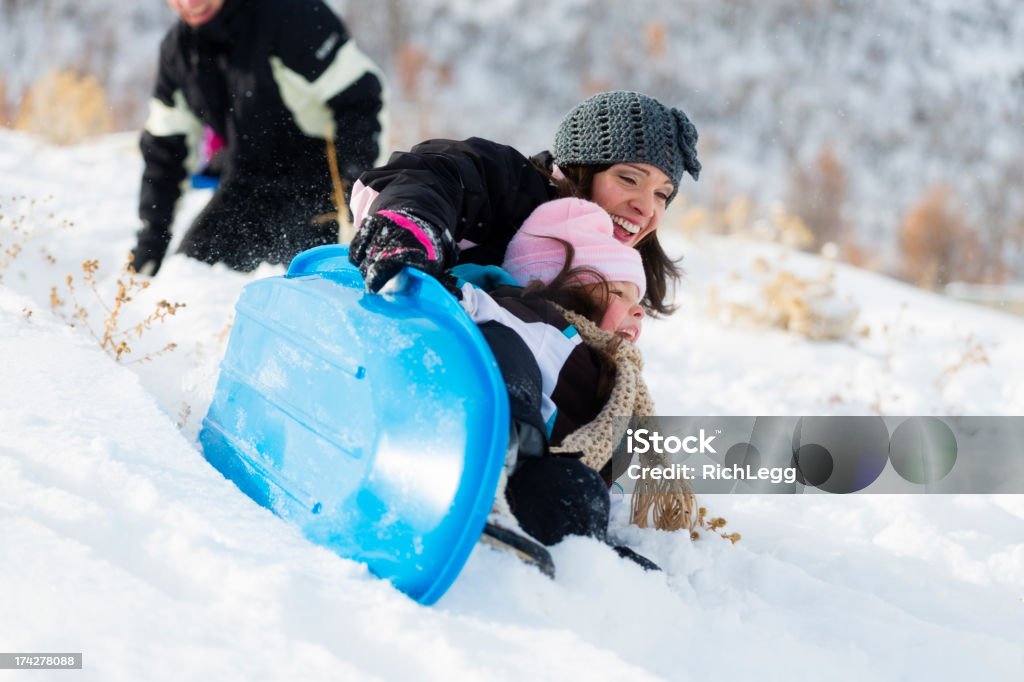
(272, 78)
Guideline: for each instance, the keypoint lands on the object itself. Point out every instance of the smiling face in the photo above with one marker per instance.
(635, 195)
(623, 316)
(196, 12)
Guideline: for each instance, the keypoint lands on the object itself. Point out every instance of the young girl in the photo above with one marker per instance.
(575, 306)
(447, 202)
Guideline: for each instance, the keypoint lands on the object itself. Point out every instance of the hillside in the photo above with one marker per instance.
(850, 112)
(122, 543)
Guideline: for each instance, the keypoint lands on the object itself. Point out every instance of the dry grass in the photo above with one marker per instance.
(183, 414)
(937, 244)
(811, 307)
(65, 108)
(656, 39)
(114, 340)
(20, 221)
(715, 524)
(973, 354)
(6, 115)
(818, 194)
(411, 63)
(23, 218)
(742, 217)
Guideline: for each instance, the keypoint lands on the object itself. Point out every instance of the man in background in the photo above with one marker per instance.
(273, 79)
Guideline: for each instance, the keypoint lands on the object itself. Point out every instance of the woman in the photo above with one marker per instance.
(461, 202)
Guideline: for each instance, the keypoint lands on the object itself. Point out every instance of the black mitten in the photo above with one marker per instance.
(553, 497)
(387, 241)
(150, 249)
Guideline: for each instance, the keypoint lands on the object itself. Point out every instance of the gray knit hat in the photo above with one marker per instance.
(628, 127)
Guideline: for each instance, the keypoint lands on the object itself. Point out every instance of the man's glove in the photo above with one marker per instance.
(387, 241)
(150, 249)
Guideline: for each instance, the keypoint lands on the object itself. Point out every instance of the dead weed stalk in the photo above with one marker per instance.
(20, 222)
(973, 354)
(713, 525)
(111, 337)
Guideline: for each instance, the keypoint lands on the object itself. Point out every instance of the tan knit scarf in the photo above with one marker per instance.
(671, 501)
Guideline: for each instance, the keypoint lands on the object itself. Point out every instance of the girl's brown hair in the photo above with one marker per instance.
(661, 272)
(584, 291)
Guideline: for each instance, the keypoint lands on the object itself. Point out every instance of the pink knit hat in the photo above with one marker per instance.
(532, 255)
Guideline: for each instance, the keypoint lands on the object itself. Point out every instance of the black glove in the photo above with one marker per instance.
(150, 249)
(387, 241)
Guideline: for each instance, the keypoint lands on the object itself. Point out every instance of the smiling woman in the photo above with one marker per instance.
(635, 195)
(623, 150)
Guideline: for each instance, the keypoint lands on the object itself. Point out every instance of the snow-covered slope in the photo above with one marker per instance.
(119, 541)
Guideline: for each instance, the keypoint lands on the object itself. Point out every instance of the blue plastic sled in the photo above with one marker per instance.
(376, 423)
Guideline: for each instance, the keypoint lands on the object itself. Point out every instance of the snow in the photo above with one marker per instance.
(121, 542)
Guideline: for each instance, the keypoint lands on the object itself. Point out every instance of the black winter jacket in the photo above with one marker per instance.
(571, 371)
(271, 77)
(479, 190)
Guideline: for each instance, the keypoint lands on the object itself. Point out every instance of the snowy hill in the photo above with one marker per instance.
(121, 542)
(905, 97)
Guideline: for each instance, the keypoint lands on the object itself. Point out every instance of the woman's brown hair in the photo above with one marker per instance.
(662, 273)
